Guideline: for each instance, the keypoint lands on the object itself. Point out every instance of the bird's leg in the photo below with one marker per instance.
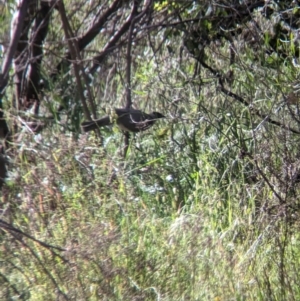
(126, 140)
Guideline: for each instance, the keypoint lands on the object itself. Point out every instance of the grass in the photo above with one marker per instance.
(127, 239)
(159, 225)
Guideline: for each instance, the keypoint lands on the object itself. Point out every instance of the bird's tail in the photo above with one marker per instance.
(92, 125)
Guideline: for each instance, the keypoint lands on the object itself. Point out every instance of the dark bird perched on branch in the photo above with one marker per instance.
(128, 120)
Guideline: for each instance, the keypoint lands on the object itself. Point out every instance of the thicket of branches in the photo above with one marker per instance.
(51, 48)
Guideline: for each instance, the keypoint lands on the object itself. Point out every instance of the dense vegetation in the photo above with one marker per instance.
(204, 205)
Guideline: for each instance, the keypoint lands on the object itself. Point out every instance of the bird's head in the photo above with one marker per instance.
(157, 115)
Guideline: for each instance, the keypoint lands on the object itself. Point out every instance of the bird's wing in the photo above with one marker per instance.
(141, 120)
(121, 112)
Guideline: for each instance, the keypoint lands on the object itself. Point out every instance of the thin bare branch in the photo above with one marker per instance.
(90, 34)
(75, 56)
(13, 44)
(11, 228)
(265, 117)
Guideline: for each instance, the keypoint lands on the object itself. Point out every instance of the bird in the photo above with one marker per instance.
(128, 120)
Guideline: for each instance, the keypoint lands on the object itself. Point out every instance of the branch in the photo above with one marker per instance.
(128, 69)
(39, 33)
(11, 228)
(128, 55)
(90, 35)
(256, 112)
(13, 44)
(14, 288)
(46, 271)
(133, 19)
(74, 54)
(245, 102)
(111, 43)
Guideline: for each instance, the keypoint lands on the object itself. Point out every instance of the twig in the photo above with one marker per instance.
(9, 227)
(74, 55)
(245, 102)
(13, 45)
(90, 34)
